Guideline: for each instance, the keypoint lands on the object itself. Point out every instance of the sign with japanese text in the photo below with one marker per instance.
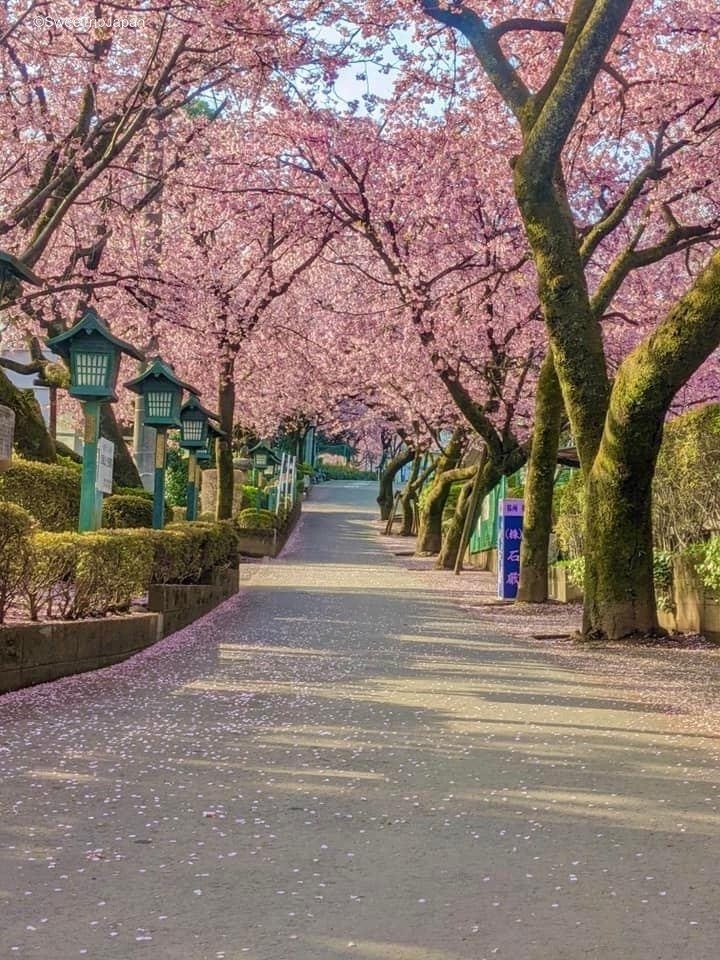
(509, 539)
(105, 457)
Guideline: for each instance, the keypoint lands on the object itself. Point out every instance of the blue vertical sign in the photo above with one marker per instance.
(509, 539)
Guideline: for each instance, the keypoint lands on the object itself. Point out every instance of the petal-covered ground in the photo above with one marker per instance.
(357, 758)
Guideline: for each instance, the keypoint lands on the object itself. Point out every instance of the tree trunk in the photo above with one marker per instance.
(408, 499)
(452, 534)
(619, 589)
(429, 539)
(32, 438)
(539, 486)
(386, 497)
(471, 496)
(223, 446)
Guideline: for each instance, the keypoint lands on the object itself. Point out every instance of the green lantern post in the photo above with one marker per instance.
(162, 392)
(93, 355)
(194, 432)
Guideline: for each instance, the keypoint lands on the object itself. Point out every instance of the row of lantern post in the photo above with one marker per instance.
(93, 355)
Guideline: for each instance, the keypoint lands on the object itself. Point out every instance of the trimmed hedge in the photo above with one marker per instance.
(77, 575)
(132, 492)
(74, 575)
(335, 472)
(122, 511)
(254, 519)
(15, 529)
(50, 493)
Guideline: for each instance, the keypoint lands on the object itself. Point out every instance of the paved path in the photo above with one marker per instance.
(337, 764)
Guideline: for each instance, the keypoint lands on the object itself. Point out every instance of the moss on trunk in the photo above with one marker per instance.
(32, 438)
(619, 591)
(407, 499)
(386, 497)
(452, 531)
(429, 539)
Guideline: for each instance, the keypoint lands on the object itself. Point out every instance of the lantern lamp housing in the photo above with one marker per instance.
(194, 424)
(264, 457)
(162, 393)
(93, 355)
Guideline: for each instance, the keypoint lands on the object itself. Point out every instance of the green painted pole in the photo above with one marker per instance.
(88, 500)
(191, 496)
(159, 485)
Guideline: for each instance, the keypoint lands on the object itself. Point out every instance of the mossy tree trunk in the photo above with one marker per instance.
(620, 596)
(452, 532)
(223, 445)
(407, 497)
(539, 486)
(386, 497)
(490, 473)
(429, 539)
(32, 438)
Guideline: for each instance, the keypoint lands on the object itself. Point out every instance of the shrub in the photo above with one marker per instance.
(176, 478)
(663, 579)
(50, 493)
(74, 575)
(132, 492)
(251, 496)
(184, 552)
(120, 510)
(15, 530)
(706, 559)
(569, 508)
(686, 487)
(333, 472)
(77, 575)
(253, 519)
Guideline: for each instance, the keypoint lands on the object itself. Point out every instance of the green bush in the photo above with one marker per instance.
(15, 529)
(333, 472)
(663, 579)
(75, 575)
(251, 496)
(686, 486)
(132, 492)
(120, 510)
(706, 560)
(50, 493)
(662, 576)
(176, 478)
(568, 511)
(253, 519)
(185, 552)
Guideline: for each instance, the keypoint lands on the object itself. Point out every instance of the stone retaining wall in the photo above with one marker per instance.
(32, 653)
(268, 543)
(695, 611)
(180, 604)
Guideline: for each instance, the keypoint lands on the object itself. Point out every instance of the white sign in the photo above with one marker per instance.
(7, 433)
(105, 457)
